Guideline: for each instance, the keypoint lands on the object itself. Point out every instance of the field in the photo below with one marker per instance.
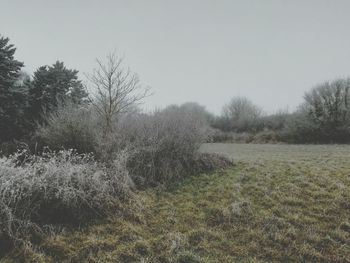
(279, 203)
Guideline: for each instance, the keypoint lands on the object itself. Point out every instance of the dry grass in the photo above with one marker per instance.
(40, 194)
(280, 203)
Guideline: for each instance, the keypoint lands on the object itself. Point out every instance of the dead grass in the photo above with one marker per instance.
(279, 204)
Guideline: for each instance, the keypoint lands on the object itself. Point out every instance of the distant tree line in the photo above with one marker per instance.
(29, 103)
(323, 117)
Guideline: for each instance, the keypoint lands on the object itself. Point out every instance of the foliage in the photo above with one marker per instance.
(69, 127)
(324, 117)
(12, 95)
(281, 203)
(165, 144)
(327, 108)
(56, 189)
(51, 86)
(240, 114)
(274, 122)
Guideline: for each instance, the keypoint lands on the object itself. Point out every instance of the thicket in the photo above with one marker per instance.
(80, 155)
(165, 144)
(69, 127)
(40, 193)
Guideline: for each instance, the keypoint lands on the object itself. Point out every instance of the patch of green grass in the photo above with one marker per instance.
(290, 207)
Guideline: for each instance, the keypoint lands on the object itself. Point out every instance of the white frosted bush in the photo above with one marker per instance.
(61, 188)
(165, 144)
(69, 127)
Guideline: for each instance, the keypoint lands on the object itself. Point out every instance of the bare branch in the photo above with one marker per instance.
(116, 89)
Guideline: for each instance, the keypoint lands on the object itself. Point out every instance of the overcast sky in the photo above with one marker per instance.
(203, 51)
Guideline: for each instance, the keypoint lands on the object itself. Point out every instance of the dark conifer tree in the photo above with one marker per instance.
(53, 85)
(12, 95)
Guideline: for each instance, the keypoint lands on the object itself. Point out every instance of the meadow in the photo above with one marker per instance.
(92, 169)
(278, 203)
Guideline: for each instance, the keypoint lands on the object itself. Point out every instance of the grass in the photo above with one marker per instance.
(280, 203)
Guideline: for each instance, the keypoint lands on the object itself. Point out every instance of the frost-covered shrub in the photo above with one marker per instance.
(69, 127)
(164, 144)
(57, 189)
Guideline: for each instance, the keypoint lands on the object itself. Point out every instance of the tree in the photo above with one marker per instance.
(116, 89)
(329, 103)
(327, 106)
(11, 94)
(241, 114)
(199, 111)
(53, 85)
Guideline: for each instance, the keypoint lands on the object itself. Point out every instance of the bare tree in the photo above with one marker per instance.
(115, 90)
(328, 104)
(241, 113)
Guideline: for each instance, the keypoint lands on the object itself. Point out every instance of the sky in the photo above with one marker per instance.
(206, 51)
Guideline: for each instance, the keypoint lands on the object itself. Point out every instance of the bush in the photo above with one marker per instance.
(218, 135)
(274, 122)
(70, 127)
(267, 136)
(232, 137)
(209, 162)
(10, 147)
(56, 189)
(324, 117)
(298, 129)
(164, 144)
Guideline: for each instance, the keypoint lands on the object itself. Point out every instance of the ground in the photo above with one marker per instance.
(279, 203)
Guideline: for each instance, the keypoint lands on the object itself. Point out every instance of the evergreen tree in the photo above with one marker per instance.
(53, 85)
(12, 95)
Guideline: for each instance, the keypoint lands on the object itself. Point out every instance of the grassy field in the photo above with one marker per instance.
(279, 203)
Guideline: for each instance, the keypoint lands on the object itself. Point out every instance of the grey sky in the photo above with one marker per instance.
(204, 51)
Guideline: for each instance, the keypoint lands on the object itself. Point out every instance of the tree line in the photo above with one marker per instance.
(322, 117)
(24, 100)
(28, 102)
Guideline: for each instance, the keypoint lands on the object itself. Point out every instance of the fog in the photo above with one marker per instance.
(204, 51)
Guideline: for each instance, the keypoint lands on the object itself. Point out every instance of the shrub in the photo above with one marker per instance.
(299, 129)
(10, 147)
(164, 144)
(218, 135)
(233, 137)
(267, 136)
(324, 117)
(274, 122)
(208, 162)
(56, 189)
(70, 127)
